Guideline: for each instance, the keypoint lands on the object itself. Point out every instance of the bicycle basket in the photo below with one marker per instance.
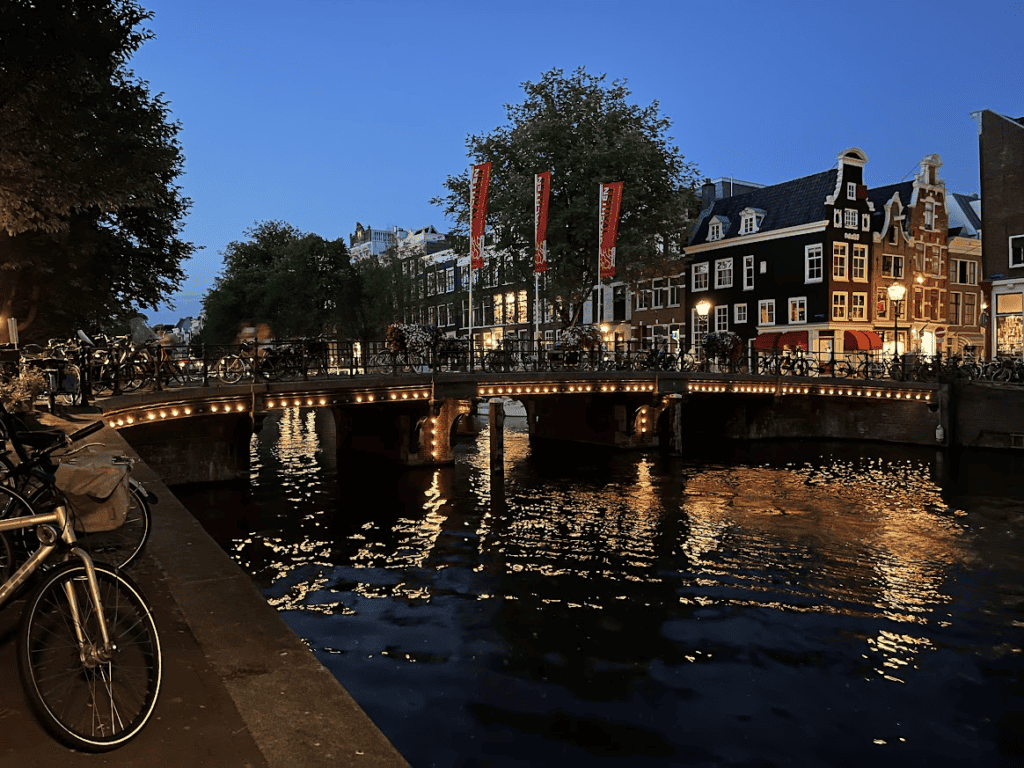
(97, 493)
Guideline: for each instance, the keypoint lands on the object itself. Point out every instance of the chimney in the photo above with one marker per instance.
(707, 195)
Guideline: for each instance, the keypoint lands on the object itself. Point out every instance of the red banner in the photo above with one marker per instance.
(541, 193)
(611, 201)
(479, 182)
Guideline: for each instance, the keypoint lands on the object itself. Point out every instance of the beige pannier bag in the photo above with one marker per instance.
(97, 492)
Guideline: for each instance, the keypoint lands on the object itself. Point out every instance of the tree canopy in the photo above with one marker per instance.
(586, 133)
(294, 282)
(90, 216)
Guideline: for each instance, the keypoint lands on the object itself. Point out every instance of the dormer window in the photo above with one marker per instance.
(851, 190)
(751, 220)
(716, 228)
(929, 215)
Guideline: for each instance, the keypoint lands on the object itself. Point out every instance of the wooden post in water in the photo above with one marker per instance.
(496, 419)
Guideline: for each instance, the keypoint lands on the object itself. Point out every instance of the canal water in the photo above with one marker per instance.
(782, 604)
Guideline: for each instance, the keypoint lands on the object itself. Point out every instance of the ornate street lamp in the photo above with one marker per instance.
(896, 293)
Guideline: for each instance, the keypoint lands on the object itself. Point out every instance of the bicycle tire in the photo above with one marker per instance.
(232, 369)
(88, 702)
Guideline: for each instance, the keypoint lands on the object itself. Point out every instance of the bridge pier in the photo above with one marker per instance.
(621, 421)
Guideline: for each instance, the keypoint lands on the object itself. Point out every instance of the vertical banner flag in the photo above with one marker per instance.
(541, 193)
(611, 201)
(479, 182)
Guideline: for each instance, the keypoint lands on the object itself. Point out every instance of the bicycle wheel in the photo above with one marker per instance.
(232, 368)
(90, 698)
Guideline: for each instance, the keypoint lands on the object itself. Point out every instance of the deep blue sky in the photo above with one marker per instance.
(322, 113)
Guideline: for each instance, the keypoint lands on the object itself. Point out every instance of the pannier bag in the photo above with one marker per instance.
(97, 492)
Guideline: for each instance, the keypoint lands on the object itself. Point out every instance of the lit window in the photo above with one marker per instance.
(859, 306)
(839, 261)
(798, 310)
(859, 265)
(838, 306)
(766, 311)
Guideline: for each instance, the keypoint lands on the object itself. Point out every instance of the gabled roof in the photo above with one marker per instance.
(879, 196)
(789, 204)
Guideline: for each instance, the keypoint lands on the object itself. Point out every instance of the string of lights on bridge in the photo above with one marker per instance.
(144, 414)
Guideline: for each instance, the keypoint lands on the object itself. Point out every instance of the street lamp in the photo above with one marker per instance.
(703, 307)
(896, 293)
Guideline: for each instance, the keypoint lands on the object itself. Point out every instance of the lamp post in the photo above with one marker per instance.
(703, 307)
(896, 293)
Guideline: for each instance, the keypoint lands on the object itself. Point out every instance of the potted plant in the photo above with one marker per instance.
(18, 393)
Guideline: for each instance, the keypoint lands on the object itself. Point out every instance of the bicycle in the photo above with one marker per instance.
(88, 647)
(508, 358)
(34, 477)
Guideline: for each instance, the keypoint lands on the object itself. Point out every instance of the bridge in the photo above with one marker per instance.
(202, 432)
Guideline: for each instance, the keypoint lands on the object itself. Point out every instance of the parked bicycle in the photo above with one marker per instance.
(88, 648)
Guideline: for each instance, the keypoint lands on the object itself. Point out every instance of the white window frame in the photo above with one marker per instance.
(714, 231)
(839, 305)
(747, 226)
(1019, 262)
(837, 217)
(851, 190)
(851, 218)
(722, 317)
(700, 326)
(739, 314)
(814, 254)
(865, 222)
(723, 273)
(799, 304)
(659, 293)
(699, 271)
(863, 306)
(748, 273)
(841, 252)
(766, 312)
(859, 257)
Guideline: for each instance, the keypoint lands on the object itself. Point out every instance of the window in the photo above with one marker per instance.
(929, 215)
(851, 218)
(739, 314)
(715, 231)
(723, 273)
(963, 272)
(859, 265)
(748, 273)
(865, 222)
(839, 306)
(798, 310)
(859, 306)
(643, 299)
(892, 266)
(449, 276)
(881, 303)
(1017, 251)
(750, 220)
(814, 270)
(700, 327)
(837, 217)
(839, 261)
(722, 318)
(675, 290)
(766, 311)
(660, 287)
(919, 304)
(970, 309)
(955, 308)
(700, 277)
(851, 190)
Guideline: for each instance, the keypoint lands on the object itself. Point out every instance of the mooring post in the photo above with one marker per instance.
(496, 419)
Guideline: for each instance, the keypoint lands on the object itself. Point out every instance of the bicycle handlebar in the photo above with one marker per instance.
(85, 431)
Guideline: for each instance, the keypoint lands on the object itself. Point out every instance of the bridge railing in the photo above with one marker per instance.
(162, 366)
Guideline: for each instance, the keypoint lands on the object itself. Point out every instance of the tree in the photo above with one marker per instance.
(298, 284)
(586, 133)
(90, 216)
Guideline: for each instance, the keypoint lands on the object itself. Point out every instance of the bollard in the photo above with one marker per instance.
(496, 419)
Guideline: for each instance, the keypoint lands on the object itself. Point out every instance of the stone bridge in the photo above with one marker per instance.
(203, 433)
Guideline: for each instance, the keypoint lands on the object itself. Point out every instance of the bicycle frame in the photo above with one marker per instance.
(60, 518)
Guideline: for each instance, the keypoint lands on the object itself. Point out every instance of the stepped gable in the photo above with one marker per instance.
(789, 204)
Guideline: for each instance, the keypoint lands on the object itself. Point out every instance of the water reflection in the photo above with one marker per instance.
(591, 601)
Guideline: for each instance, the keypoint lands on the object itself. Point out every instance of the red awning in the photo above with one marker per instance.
(854, 341)
(794, 339)
(767, 341)
(874, 339)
